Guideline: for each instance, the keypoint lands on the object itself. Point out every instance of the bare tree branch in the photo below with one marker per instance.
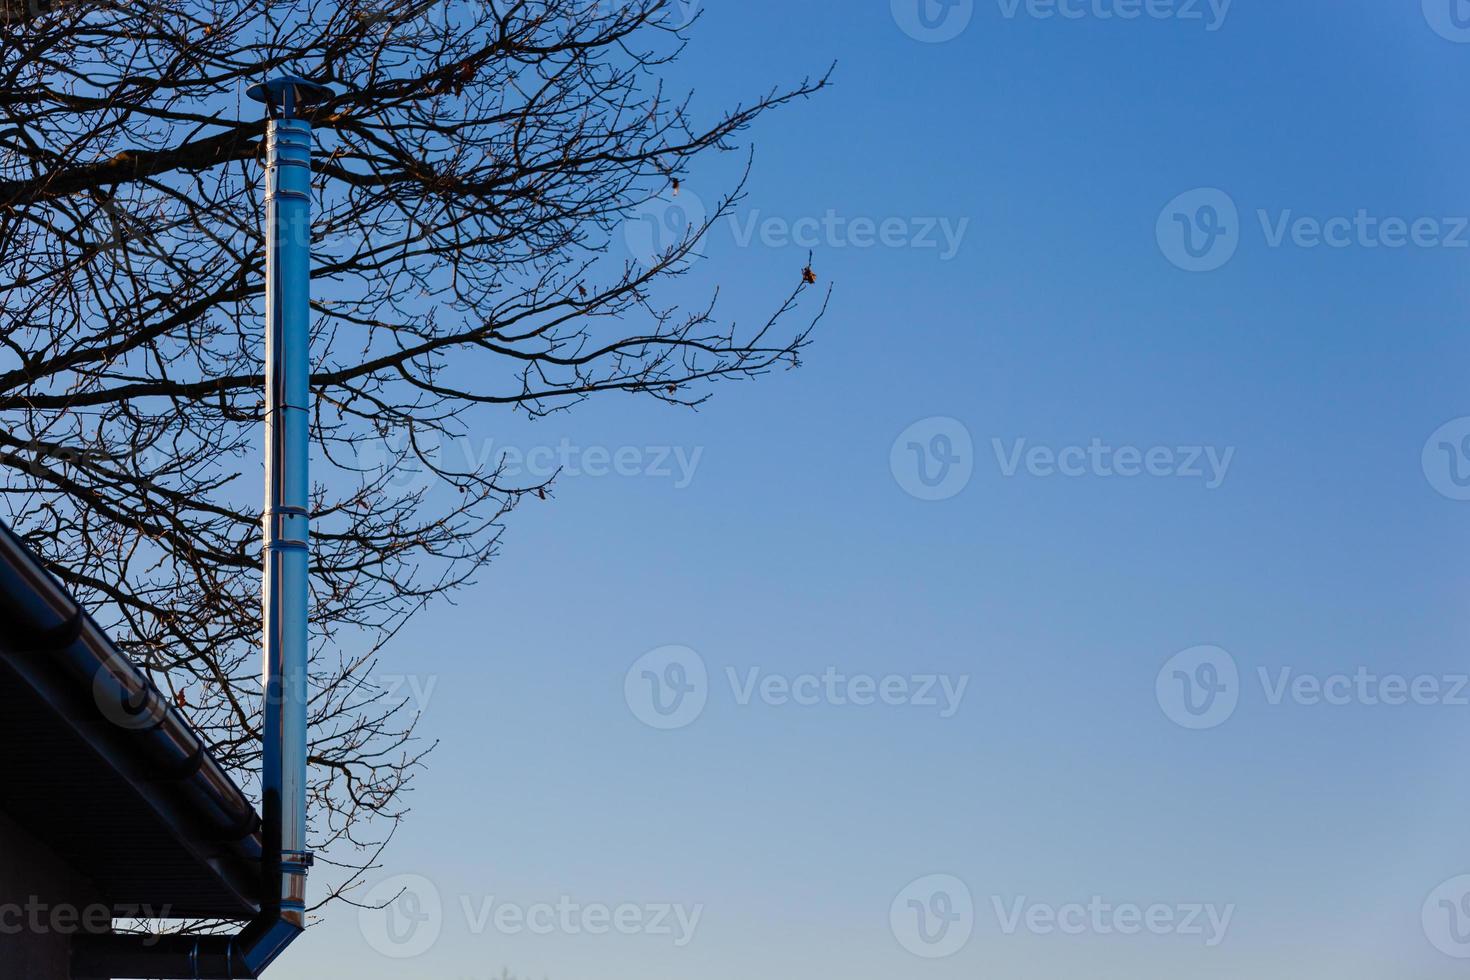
(472, 171)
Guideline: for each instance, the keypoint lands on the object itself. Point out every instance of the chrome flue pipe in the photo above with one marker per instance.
(285, 591)
(287, 522)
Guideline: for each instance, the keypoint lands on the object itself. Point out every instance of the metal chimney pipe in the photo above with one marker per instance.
(287, 519)
(287, 485)
(285, 590)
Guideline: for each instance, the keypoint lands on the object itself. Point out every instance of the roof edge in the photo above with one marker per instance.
(56, 647)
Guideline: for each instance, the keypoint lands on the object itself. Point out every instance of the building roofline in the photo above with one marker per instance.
(70, 666)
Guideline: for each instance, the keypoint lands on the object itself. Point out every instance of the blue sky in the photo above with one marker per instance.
(1052, 341)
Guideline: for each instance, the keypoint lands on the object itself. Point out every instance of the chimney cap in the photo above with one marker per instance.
(287, 93)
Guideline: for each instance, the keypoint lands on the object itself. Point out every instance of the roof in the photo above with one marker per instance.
(105, 771)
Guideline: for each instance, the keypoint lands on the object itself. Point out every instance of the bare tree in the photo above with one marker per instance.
(472, 172)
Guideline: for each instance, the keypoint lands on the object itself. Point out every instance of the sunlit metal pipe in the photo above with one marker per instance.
(285, 588)
(287, 485)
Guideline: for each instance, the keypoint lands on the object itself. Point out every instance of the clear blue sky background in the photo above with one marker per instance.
(1327, 548)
